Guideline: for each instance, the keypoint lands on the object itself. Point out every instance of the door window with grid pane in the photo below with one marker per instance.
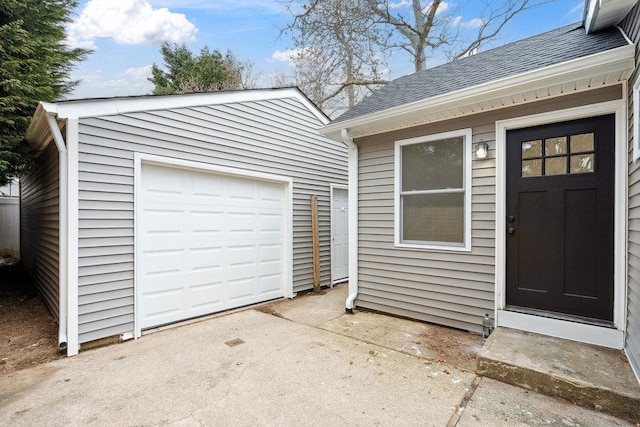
(432, 191)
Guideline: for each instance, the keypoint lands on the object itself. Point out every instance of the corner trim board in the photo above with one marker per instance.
(73, 343)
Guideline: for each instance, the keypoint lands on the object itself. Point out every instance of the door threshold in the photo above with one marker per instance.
(560, 316)
(606, 336)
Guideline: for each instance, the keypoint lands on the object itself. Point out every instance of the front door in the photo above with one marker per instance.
(560, 181)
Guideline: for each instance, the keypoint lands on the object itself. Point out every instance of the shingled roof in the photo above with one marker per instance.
(533, 53)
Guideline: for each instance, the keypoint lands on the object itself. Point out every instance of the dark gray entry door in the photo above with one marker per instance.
(560, 182)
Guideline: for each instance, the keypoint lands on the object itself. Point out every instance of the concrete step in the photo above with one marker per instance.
(590, 376)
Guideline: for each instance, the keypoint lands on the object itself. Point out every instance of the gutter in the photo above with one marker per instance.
(63, 230)
(353, 220)
(617, 60)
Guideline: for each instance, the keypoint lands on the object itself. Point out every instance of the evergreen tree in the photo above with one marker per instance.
(187, 73)
(34, 66)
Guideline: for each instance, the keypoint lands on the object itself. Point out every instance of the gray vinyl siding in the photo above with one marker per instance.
(277, 137)
(451, 288)
(39, 225)
(631, 26)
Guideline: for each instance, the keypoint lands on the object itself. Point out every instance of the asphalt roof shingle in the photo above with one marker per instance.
(543, 50)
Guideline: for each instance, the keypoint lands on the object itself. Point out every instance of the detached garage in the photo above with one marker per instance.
(143, 211)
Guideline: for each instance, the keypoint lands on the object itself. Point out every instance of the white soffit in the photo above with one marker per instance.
(592, 72)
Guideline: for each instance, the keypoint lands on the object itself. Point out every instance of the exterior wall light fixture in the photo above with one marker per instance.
(480, 150)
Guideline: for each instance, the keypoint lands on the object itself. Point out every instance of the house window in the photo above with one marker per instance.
(636, 119)
(433, 197)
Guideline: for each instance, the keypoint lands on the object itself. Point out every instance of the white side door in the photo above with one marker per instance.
(339, 235)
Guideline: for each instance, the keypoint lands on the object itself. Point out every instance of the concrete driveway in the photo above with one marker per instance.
(300, 362)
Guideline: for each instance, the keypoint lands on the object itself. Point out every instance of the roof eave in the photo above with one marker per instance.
(113, 106)
(600, 14)
(613, 66)
(38, 134)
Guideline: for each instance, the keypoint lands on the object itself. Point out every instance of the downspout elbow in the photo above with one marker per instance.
(353, 220)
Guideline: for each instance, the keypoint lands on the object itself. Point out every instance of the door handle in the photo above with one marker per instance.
(511, 230)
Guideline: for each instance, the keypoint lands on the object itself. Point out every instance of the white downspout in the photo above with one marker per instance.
(353, 220)
(63, 232)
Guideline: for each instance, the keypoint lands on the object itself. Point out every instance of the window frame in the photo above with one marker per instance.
(467, 135)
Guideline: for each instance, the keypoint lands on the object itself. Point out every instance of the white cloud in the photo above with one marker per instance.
(401, 3)
(139, 73)
(286, 56)
(128, 22)
(132, 81)
(473, 23)
(577, 9)
(408, 3)
(443, 7)
(225, 5)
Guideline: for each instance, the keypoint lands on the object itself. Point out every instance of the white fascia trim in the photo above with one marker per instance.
(618, 59)
(73, 344)
(332, 188)
(618, 108)
(591, 10)
(113, 106)
(140, 158)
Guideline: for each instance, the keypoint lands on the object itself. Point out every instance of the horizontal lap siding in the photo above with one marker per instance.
(451, 288)
(277, 137)
(631, 26)
(39, 225)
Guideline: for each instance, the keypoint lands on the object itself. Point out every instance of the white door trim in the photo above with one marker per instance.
(332, 188)
(140, 158)
(610, 337)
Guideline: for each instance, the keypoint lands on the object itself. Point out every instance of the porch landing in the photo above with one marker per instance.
(594, 377)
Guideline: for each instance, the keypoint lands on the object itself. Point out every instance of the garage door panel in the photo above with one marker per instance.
(207, 243)
(162, 303)
(242, 289)
(241, 189)
(161, 180)
(206, 295)
(210, 222)
(206, 186)
(271, 193)
(163, 222)
(241, 222)
(241, 256)
(270, 253)
(207, 259)
(162, 263)
(270, 223)
(270, 284)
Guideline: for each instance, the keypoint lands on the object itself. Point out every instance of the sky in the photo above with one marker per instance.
(125, 36)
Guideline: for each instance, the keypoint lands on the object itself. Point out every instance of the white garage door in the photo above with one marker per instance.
(207, 242)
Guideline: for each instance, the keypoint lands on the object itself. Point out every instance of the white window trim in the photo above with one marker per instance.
(467, 170)
(636, 120)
